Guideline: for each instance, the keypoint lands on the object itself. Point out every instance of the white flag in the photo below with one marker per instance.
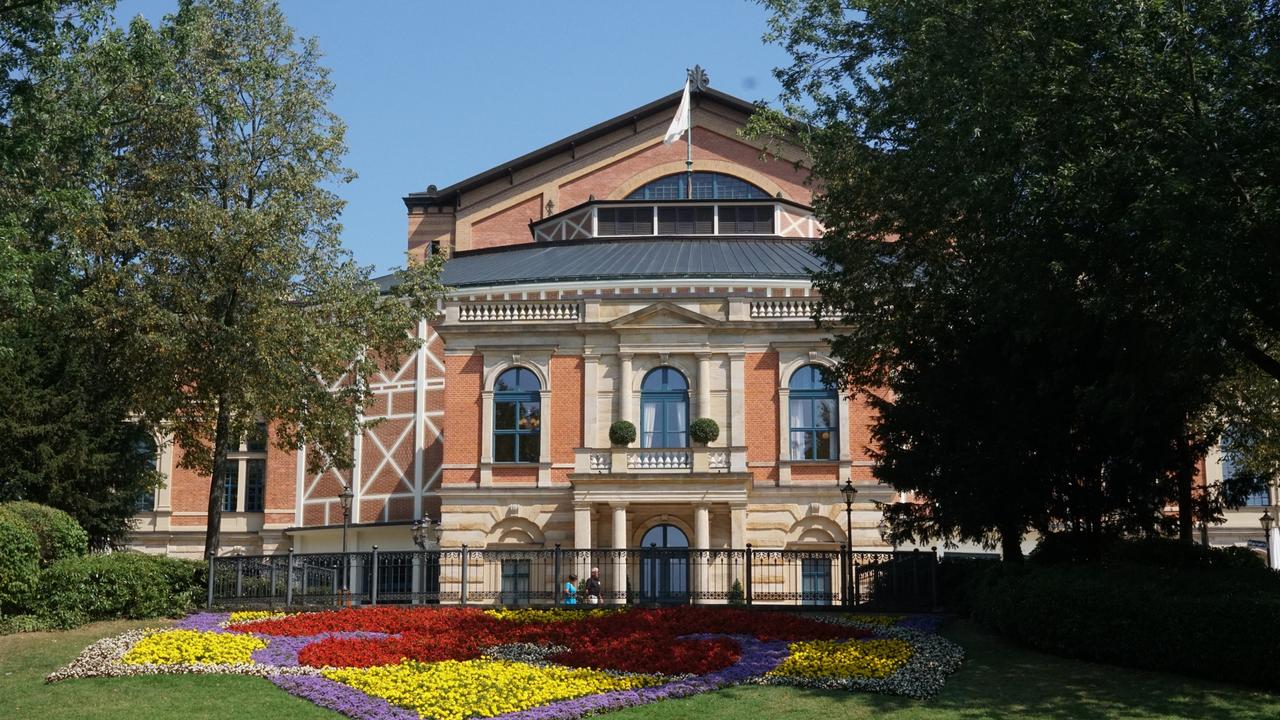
(680, 123)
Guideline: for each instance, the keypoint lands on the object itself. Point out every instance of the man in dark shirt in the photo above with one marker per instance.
(593, 587)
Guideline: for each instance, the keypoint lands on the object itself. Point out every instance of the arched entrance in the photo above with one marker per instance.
(664, 566)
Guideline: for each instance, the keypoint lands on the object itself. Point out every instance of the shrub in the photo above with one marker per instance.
(1212, 623)
(736, 594)
(704, 430)
(22, 623)
(57, 533)
(19, 563)
(119, 585)
(622, 433)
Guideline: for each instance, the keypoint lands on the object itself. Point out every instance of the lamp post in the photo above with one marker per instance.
(1268, 522)
(849, 492)
(426, 532)
(344, 498)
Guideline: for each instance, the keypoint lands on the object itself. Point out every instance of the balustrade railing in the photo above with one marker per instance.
(515, 311)
(903, 580)
(660, 460)
(785, 309)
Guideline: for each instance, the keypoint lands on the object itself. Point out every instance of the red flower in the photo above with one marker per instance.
(643, 641)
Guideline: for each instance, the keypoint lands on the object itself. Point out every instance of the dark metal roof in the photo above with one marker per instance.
(660, 258)
(449, 194)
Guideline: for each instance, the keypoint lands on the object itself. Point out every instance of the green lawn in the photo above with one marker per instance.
(997, 681)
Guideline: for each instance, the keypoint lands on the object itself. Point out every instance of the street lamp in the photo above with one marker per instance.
(1268, 522)
(849, 492)
(344, 498)
(426, 532)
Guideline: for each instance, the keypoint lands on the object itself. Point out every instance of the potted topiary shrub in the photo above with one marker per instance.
(704, 431)
(622, 433)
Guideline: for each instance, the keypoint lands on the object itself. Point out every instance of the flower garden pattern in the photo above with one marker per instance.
(398, 663)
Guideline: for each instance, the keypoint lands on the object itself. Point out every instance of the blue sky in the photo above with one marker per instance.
(434, 92)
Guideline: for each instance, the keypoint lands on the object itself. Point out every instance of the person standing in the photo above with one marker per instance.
(571, 590)
(593, 587)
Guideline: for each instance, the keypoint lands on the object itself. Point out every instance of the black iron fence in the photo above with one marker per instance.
(904, 580)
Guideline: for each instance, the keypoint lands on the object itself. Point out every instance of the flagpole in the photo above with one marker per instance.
(688, 158)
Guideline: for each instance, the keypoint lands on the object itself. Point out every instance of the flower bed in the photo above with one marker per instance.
(397, 663)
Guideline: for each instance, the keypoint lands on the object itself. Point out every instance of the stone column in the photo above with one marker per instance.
(701, 543)
(738, 539)
(625, 410)
(737, 411)
(618, 581)
(590, 406)
(704, 385)
(580, 564)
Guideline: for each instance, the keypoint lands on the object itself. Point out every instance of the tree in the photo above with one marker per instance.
(242, 303)
(68, 436)
(1036, 200)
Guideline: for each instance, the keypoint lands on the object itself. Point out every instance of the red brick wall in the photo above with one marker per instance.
(282, 480)
(566, 407)
(506, 227)
(707, 145)
(464, 379)
(760, 375)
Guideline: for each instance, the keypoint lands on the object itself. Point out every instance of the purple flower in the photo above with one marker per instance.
(341, 698)
(208, 621)
(757, 658)
(282, 650)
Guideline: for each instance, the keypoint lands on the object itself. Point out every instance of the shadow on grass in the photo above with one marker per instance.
(998, 680)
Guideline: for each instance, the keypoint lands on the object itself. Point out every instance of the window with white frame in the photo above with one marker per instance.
(517, 417)
(815, 415)
(244, 484)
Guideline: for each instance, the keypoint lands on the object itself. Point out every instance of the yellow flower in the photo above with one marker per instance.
(248, 615)
(881, 620)
(534, 615)
(189, 647)
(454, 690)
(845, 659)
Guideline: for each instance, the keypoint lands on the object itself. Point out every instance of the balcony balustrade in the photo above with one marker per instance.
(660, 460)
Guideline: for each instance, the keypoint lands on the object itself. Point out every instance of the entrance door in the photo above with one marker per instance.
(815, 581)
(515, 583)
(664, 566)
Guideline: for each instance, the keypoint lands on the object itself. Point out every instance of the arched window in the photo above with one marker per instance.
(815, 416)
(517, 417)
(145, 449)
(664, 536)
(706, 186)
(664, 409)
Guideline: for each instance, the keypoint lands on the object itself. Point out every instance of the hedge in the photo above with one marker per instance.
(57, 533)
(19, 562)
(1212, 623)
(119, 585)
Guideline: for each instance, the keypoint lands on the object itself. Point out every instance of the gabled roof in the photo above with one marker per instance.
(450, 193)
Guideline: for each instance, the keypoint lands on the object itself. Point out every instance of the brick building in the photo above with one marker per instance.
(588, 287)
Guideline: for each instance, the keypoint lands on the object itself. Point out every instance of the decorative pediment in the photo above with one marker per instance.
(664, 315)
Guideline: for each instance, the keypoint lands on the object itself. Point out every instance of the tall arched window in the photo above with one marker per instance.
(145, 448)
(815, 416)
(517, 417)
(664, 409)
(706, 186)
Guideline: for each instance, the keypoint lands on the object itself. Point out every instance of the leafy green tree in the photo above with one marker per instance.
(1084, 187)
(242, 303)
(68, 95)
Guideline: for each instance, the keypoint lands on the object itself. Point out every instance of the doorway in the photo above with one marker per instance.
(664, 566)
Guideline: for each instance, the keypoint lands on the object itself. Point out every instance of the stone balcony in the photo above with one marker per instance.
(659, 461)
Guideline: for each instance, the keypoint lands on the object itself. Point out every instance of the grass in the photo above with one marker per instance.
(998, 680)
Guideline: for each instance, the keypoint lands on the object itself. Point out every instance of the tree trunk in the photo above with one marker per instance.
(1186, 499)
(1011, 545)
(213, 526)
